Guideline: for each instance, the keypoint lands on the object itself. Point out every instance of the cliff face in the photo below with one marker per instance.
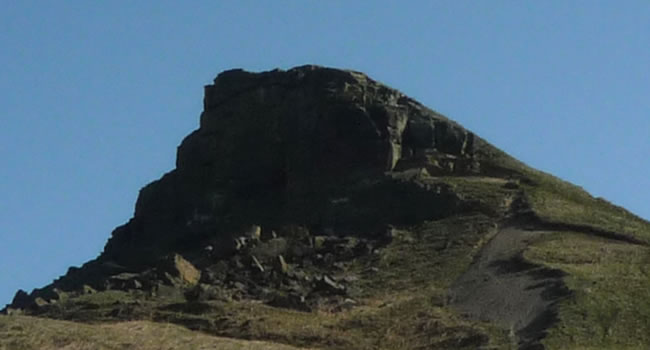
(316, 207)
(310, 146)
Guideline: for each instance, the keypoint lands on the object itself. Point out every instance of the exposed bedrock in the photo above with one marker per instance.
(310, 146)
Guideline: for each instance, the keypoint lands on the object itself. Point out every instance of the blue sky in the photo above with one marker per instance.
(95, 96)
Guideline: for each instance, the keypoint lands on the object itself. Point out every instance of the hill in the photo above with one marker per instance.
(318, 208)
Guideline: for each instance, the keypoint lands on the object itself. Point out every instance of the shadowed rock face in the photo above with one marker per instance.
(309, 146)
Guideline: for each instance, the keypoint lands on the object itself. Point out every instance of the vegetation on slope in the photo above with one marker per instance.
(610, 281)
(558, 201)
(398, 302)
(554, 200)
(31, 333)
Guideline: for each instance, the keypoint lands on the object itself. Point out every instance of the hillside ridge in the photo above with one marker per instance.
(316, 207)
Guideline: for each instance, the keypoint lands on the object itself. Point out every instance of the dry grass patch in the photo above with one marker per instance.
(30, 333)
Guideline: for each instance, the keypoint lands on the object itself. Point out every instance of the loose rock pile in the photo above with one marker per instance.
(289, 268)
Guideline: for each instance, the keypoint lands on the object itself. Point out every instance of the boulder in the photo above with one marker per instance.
(256, 264)
(86, 289)
(40, 302)
(328, 285)
(241, 243)
(345, 304)
(206, 292)
(267, 251)
(180, 270)
(281, 265)
(215, 273)
(162, 290)
(318, 242)
(254, 232)
(124, 281)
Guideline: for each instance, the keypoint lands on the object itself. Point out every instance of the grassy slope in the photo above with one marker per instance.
(610, 280)
(610, 307)
(558, 201)
(30, 333)
(400, 303)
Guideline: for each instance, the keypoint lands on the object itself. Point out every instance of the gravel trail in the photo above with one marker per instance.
(501, 287)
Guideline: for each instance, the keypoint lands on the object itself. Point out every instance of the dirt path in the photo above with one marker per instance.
(501, 287)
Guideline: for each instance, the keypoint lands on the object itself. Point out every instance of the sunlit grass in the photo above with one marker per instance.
(610, 281)
(30, 333)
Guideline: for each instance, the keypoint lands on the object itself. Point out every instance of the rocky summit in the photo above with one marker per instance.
(317, 208)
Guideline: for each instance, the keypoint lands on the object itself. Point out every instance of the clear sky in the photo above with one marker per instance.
(95, 96)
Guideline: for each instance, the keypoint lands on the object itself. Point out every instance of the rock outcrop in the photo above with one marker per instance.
(309, 146)
(319, 161)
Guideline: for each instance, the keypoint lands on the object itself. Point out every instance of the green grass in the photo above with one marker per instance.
(558, 201)
(610, 305)
(488, 194)
(429, 256)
